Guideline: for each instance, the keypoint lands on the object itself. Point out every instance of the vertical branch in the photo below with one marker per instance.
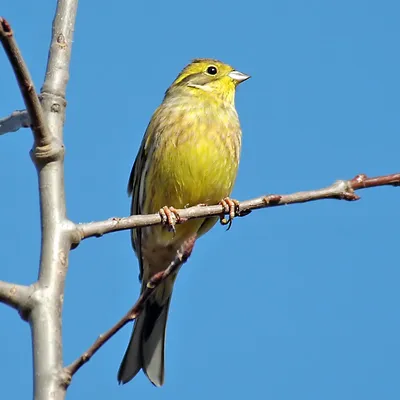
(45, 318)
(41, 303)
(57, 72)
(43, 307)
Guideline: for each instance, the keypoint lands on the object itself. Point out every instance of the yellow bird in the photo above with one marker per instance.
(189, 156)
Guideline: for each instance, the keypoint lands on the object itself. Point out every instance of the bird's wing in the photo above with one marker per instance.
(136, 184)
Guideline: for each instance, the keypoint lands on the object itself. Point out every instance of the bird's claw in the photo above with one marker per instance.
(170, 217)
(231, 207)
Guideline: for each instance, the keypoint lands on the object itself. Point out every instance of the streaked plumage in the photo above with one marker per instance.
(189, 155)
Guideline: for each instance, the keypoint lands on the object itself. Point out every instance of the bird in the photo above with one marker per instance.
(189, 156)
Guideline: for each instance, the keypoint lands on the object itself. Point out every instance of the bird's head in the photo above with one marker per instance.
(205, 75)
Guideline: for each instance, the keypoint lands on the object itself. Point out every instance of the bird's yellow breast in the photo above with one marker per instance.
(194, 157)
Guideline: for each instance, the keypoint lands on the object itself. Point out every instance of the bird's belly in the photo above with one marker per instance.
(193, 173)
(198, 172)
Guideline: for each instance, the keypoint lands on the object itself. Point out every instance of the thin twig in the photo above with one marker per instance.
(15, 121)
(342, 190)
(181, 257)
(39, 126)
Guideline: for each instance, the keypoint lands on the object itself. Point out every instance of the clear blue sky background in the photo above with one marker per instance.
(300, 302)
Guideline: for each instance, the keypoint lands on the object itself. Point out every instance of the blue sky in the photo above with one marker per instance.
(293, 302)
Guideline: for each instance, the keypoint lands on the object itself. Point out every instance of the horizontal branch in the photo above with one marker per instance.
(15, 121)
(181, 257)
(342, 190)
(16, 296)
(40, 130)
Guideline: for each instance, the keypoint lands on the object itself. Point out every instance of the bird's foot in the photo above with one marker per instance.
(170, 217)
(231, 207)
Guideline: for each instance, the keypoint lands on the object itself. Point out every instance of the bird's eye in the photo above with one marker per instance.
(212, 70)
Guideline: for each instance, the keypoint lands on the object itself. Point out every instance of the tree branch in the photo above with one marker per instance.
(47, 121)
(15, 121)
(16, 296)
(39, 127)
(45, 317)
(341, 190)
(182, 256)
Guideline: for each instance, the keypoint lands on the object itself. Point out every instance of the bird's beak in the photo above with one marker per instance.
(237, 76)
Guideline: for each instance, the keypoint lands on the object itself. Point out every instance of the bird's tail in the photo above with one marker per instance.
(146, 347)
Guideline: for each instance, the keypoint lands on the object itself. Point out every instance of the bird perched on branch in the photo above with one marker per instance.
(189, 156)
